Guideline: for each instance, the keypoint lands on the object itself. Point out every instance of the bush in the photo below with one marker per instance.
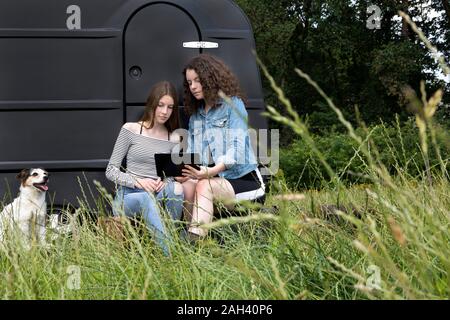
(398, 148)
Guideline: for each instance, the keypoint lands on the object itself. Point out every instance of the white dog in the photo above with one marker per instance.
(27, 213)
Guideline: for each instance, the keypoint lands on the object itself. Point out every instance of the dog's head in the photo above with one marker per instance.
(35, 177)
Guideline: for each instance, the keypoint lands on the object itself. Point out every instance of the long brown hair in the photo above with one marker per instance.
(214, 75)
(158, 91)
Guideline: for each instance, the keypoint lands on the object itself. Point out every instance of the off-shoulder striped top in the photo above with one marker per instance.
(139, 151)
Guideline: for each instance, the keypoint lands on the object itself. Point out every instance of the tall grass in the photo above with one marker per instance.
(300, 253)
(387, 239)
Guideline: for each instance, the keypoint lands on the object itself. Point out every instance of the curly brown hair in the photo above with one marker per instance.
(214, 75)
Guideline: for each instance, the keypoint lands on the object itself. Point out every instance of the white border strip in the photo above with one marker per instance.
(253, 194)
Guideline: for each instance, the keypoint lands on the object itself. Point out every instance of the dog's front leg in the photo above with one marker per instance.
(42, 232)
(41, 226)
(23, 230)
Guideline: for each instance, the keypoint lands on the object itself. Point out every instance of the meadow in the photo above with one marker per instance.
(397, 249)
(385, 239)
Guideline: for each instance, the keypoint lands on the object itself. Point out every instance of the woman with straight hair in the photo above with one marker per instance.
(140, 190)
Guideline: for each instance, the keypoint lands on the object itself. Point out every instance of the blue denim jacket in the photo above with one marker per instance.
(223, 133)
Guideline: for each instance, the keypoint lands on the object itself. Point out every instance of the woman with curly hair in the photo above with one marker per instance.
(218, 131)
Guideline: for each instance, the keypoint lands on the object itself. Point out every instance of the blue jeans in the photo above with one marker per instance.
(133, 202)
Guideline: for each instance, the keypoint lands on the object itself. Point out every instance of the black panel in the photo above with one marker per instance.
(58, 135)
(52, 13)
(154, 43)
(58, 68)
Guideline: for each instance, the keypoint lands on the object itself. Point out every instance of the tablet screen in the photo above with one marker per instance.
(171, 165)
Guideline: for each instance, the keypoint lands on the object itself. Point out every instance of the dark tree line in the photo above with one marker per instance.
(356, 66)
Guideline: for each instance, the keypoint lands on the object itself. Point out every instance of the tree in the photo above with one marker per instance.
(356, 66)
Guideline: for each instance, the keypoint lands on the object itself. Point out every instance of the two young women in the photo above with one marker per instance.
(218, 131)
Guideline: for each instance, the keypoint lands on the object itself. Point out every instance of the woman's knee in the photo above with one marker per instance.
(203, 186)
(215, 189)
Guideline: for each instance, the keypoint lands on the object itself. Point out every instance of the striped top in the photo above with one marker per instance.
(139, 151)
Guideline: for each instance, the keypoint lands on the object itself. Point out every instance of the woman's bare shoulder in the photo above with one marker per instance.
(175, 137)
(132, 126)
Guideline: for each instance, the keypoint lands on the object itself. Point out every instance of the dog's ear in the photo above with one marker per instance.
(23, 174)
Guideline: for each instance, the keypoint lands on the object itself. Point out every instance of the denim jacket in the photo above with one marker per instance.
(223, 133)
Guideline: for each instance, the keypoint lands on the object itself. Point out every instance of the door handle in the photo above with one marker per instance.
(200, 44)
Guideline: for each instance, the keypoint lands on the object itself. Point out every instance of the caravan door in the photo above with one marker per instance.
(154, 52)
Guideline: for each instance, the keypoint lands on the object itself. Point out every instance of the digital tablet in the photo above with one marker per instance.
(165, 167)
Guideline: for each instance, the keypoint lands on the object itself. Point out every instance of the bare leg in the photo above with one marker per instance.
(189, 197)
(206, 191)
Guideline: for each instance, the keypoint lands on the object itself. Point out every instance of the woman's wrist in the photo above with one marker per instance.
(137, 184)
(214, 171)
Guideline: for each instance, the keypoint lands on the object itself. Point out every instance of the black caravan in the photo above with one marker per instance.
(72, 72)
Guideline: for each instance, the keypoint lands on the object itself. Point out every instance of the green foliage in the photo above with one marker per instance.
(356, 66)
(397, 150)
